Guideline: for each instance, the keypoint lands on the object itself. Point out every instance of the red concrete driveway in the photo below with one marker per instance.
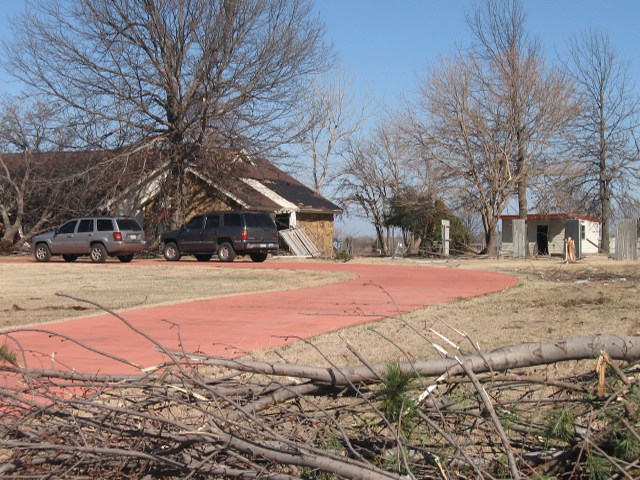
(231, 326)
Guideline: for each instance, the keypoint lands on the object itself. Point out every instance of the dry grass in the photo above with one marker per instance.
(28, 289)
(552, 300)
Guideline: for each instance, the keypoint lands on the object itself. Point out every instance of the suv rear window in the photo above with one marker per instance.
(257, 220)
(105, 225)
(232, 220)
(128, 224)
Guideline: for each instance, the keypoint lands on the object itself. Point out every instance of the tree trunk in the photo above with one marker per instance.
(490, 239)
(523, 208)
(514, 356)
(605, 205)
(381, 239)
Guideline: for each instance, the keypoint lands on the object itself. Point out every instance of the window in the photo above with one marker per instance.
(195, 223)
(105, 225)
(583, 233)
(85, 226)
(128, 224)
(213, 221)
(258, 220)
(68, 227)
(232, 220)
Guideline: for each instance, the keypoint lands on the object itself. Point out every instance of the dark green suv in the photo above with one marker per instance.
(226, 234)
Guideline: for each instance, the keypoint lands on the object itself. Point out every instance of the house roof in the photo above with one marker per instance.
(266, 177)
(258, 184)
(560, 216)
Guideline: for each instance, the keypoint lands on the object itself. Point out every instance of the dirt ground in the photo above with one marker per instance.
(551, 300)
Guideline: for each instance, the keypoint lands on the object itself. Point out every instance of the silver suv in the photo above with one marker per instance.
(97, 237)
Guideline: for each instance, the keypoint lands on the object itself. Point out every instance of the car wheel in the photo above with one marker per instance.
(258, 257)
(70, 258)
(171, 252)
(125, 258)
(226, 253)
(98, 253)
(42, 253)
(203, 258)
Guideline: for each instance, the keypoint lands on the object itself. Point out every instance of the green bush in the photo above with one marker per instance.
(343, 256)
(397, 406)
(7, 355)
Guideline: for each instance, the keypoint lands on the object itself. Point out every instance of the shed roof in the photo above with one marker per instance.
(560, 216)
(283, 184)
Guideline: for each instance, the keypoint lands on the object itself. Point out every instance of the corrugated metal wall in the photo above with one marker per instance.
(627, 240)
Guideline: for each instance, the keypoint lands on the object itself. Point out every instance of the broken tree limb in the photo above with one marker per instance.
(515, 356)
(189, 422)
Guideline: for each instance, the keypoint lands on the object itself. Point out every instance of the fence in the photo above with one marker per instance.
(626, 240)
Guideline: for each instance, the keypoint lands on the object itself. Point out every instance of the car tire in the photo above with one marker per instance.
(98, 253)
(226, 253)
(203, 258)
(171, 252)
(125, 258)
(42, 253)
(258, 257)
(69, 258)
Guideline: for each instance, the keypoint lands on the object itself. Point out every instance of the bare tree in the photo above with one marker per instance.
(538, 100)
(183, 74)
(25, 128)
(375, 169)
(491, 116)
(330, 121)
(466, 130)
(607, 131)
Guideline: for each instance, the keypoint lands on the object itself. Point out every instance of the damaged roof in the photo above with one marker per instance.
(283, 186)
(253, 182)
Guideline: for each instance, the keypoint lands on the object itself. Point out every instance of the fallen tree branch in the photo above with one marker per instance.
(626, 348)
(245, 421)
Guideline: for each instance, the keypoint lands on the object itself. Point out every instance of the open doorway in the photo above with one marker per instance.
(542, 239)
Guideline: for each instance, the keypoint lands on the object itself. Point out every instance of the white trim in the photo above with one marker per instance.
(146, 189)
(286, 206)
(210, 182)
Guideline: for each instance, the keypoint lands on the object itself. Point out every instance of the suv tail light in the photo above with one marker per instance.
(117, 236)
(244, 236)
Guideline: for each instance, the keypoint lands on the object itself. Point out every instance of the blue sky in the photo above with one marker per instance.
(386, 44)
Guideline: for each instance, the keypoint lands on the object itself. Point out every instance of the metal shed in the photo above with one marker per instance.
(545, 234)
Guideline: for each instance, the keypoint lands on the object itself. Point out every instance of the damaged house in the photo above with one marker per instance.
(64, 184)
(305, 218)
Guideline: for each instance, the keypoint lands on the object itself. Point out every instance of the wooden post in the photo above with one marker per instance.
(446, 225)
(569, 250)
(520, 241)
